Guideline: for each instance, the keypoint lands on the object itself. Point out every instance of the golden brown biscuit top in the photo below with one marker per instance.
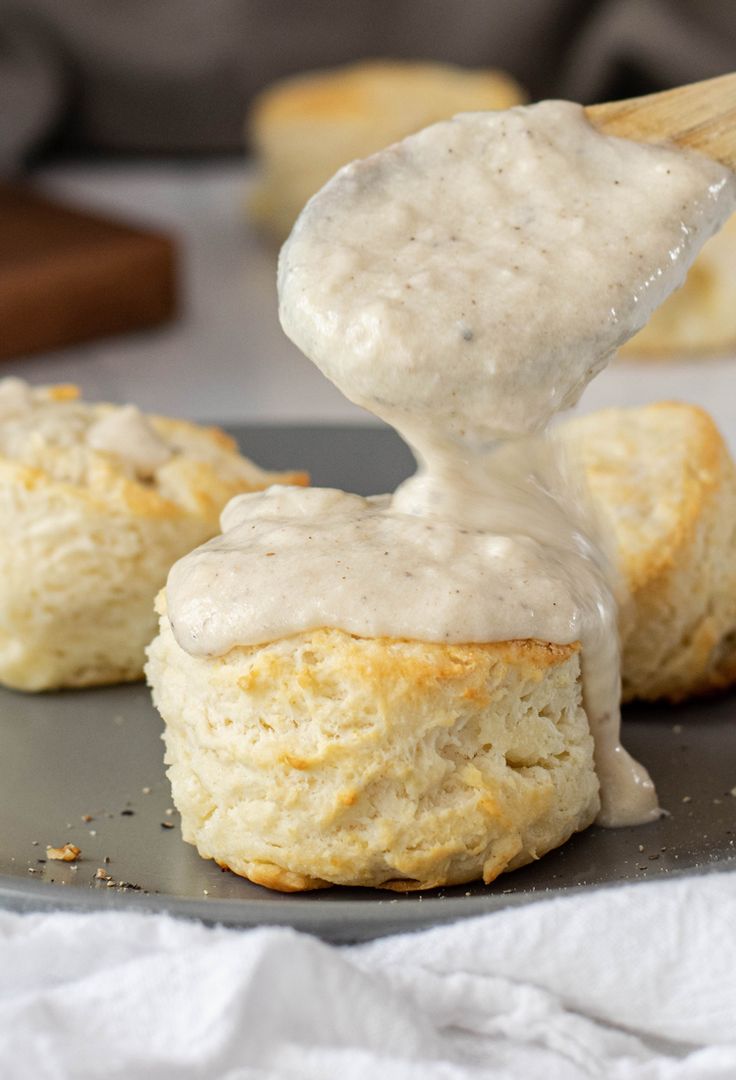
(119, 456)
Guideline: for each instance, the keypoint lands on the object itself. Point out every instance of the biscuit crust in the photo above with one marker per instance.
(304, 128)
(326, 758)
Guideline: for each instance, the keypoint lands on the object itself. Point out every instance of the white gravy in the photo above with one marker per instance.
(36, 422)
(128, 434)
(465, 285)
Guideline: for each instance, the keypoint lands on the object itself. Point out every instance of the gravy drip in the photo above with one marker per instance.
(464, 285)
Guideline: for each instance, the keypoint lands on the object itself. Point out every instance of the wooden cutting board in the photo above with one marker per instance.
(68, 276)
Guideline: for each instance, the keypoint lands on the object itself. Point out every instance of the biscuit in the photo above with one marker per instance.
(701, 316)
(664, 485)
(326, 758)
(303, 129)
(97, 502)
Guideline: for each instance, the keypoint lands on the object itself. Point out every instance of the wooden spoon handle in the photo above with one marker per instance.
(701, 116)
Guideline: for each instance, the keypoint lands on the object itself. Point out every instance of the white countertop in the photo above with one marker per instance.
(226, 359)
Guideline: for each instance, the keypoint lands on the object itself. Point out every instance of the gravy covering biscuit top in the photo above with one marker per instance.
(464, 285)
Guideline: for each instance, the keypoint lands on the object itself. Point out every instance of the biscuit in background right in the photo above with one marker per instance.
(664, 484)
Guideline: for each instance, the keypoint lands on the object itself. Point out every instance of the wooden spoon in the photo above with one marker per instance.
(701, 116)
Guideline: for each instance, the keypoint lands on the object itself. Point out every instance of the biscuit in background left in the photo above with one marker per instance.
(97, 502)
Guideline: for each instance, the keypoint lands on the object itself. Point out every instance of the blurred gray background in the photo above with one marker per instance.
(167, 76)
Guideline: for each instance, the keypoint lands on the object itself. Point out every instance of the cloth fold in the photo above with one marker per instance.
(633, 983)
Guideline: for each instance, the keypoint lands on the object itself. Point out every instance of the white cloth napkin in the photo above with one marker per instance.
(635, 982)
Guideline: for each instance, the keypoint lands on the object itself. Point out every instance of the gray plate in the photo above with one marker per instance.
(98, 754)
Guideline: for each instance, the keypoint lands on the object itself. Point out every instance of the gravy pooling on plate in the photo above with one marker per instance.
(464, 285)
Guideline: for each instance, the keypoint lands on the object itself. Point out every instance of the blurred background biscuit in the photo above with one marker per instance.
(303, 129)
